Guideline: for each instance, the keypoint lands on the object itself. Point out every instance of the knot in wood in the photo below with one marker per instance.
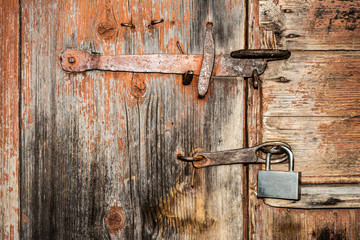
(106, 29)
(115, 219)
(138, 89)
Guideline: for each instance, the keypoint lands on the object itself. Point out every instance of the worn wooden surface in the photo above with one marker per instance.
(98, 148)
(323, 196)
(305, 25)
(9, 120)
(277, 220)
(311, 101)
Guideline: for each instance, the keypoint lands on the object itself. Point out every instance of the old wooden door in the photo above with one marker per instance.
(98, 149)
(93, 155)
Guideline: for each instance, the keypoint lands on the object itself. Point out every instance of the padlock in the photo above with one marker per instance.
(279, 184)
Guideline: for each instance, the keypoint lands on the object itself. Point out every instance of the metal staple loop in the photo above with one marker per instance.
(273, 147)
(154, 22)
(190, 159)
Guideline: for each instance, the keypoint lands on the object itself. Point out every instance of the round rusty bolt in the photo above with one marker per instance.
(71, 59)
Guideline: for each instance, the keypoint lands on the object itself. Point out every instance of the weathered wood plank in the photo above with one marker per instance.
(299, 224)
(312, 102)
(323, 196)
(266, 222)
(9, 120)
(326, 149)
(305, 25)
(313, 83)
(99, 149)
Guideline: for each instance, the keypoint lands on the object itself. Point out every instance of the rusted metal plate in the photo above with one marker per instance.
(225, 66)
(208, 61)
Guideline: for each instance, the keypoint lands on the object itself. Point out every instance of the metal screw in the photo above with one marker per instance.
(154, 22)
(130, 25)
(71, 59)
(179, 47)
(255, 79)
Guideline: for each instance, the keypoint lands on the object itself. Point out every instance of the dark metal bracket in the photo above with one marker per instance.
(252, 155)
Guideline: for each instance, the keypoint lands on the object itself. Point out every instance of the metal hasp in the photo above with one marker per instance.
(241, 63)
(279, 184)
(250, 155)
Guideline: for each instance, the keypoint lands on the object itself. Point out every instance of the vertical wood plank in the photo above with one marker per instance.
(99, 148)
(9, 120)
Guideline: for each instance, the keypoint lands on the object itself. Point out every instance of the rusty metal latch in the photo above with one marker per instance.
(240, 63)
(250, 155)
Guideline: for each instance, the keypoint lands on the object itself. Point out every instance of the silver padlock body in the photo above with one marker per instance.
(278, 184)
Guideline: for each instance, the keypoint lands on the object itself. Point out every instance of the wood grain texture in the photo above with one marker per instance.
(312, 90)
(326, 149)
(275, 219)
(323, 196)
(312, 102)
(305, 25)
(9, 120)
(99, 148)
(313, 84)
(300, 224)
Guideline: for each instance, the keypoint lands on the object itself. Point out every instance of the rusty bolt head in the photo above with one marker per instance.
(71, 59)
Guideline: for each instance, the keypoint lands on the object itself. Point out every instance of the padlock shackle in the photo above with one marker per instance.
(268, 159)
(291, 157)
(288, 152)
